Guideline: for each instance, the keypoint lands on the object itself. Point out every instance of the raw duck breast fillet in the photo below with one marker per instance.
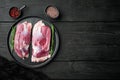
(41, 36)
(22, 39)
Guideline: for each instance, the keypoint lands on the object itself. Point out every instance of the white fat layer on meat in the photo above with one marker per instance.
(23, 53)
(37, 29)
(24, 33)
(34, 59)
(36, 49)
(26, 48)
(25, 29)
(37, 34)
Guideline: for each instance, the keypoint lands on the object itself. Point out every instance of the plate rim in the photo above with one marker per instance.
(43, 63)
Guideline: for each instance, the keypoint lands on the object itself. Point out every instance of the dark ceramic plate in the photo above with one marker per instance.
(27, 62)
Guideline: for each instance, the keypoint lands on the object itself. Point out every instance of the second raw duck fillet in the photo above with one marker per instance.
(22, 39)
(41, 36)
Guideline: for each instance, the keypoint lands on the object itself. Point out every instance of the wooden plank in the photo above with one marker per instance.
(89, 41)
(4, 29)
(82, 70)
(63, 70)
(80, 41)
(74, 10)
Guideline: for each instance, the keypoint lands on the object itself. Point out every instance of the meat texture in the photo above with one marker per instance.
(22, 39)
(40, 42)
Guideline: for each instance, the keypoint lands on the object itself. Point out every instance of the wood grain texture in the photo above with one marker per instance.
(82, 70)
(80, 41)
(74, 10)
(89, 41)
(4, 29)
(89, 37)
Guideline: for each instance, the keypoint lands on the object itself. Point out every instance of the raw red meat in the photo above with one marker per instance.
(22, 39)
(40, 42)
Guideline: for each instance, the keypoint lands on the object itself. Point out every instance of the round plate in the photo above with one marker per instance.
(27, 62)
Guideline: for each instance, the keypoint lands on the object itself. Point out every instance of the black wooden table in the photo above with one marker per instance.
(89, 33)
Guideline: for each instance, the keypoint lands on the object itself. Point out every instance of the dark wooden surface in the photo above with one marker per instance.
(89, 33)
